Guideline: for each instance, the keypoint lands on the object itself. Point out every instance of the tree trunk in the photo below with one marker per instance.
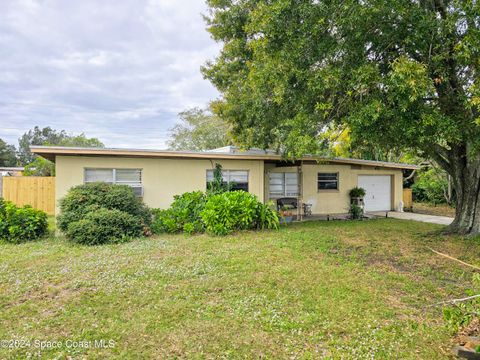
(466, 180)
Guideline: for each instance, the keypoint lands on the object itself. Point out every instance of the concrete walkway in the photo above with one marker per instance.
(442, 220)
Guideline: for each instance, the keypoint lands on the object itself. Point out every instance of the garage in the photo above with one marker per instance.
(378, 191)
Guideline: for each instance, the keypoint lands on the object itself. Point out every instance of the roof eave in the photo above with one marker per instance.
(50, 153)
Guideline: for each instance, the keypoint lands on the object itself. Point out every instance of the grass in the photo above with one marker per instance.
(317, 289)
(434, 209)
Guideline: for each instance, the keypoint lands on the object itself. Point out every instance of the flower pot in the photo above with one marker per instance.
(286, 219)
(357, 201)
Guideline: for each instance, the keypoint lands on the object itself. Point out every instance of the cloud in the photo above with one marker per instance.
(116, 70)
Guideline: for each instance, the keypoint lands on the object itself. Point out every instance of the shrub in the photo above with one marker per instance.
(357, 192)
(219, 213)
(20, 224)
(355, 212)
(236, 210)
(267, 218)
(183, 214)
(163, 221)
(3, 205)
(86, 198)
(430, 187)
(104, 226)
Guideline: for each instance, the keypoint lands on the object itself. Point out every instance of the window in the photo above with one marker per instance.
(327, 181)
(237, 179)
(283, 184)
(130, 177)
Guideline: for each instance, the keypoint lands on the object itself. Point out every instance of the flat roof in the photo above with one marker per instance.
(50, 152)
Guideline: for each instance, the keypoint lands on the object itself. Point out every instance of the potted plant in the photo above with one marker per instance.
(286, 213)
(356, 196)
(356, 212)
(356, 202)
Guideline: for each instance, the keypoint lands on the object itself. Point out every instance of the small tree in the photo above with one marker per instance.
(218, 186)
(40, 167)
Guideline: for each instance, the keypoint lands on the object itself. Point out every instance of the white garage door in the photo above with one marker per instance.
(378, 192)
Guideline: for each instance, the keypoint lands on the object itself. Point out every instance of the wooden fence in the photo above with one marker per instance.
(407, 199)
(39, 192)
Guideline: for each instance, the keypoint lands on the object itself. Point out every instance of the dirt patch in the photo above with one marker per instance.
(472, 329)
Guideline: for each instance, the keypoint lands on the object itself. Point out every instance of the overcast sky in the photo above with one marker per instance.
(119, 70)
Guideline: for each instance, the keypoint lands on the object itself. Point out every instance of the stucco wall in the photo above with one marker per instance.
(162, 178)
(337, 201)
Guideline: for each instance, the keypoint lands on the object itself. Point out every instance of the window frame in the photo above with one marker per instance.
(114, 176)
(229, 181)
(337, 175)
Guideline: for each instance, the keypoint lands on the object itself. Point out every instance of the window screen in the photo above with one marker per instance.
(132, 177)
(237, 179)
(102, 175)
(327, 181)
(128, 176)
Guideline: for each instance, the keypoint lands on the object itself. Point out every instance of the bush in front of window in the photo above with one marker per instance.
(237, 210)
(218, 214)
(83, 199)
(21, 224)
(105, 226)
(183, 214)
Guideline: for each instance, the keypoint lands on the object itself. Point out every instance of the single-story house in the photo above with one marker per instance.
(158, 175)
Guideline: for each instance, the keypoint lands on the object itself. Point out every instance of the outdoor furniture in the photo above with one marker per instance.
(293, 202)
(307, 209)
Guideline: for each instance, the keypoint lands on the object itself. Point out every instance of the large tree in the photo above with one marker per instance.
(8, 155)
(401, 74)
(198, 130)
(49, 136)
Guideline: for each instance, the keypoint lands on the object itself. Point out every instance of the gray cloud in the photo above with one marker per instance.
(116, 70)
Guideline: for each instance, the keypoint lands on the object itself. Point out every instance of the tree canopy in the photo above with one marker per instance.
(49, 136)
(400, 74)
(198, 130)
(8, 155)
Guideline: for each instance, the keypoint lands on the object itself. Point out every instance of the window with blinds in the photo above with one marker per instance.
(283, 184)
(237, 179)
(327, 181)
(131, 177)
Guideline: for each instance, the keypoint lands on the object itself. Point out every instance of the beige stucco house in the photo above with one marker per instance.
(158, 175)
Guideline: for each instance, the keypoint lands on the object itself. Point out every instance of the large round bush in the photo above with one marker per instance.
(20, 224)
(86, 198)
(237, 210)
(104, 226)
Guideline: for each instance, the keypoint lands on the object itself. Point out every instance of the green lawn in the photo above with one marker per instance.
(319, 289)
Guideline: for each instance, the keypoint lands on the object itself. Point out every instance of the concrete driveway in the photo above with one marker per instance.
(442, 220)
